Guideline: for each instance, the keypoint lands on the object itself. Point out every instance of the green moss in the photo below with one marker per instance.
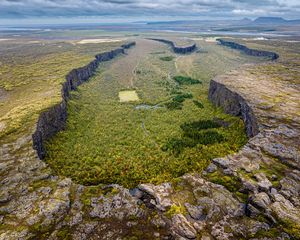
(242, 197)
(40, 231)
(42, 183)
(292, 228)
(233, 184)
(64, 234)
(271, 233)
(227, 229)
(115, 191)
(175, 209)
(89, 192)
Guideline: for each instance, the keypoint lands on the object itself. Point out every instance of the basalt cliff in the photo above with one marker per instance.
(249, 51)
(175, 48)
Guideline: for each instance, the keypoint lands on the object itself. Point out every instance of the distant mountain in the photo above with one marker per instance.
(196, 22)
(275, 20)
(245, 20)
(170, 22)
(268, 21)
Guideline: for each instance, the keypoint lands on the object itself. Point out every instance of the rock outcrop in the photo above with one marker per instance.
(54, 119)
(249, 51)
(175, 48)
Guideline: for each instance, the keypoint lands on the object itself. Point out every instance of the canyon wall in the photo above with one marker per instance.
(233, 104)
(54, 119)
(249, 51)
(176, 49)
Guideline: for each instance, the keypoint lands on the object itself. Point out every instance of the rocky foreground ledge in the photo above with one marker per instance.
(253, 194)
(175, 48)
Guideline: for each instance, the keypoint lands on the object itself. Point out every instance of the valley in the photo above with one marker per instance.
(105, 139)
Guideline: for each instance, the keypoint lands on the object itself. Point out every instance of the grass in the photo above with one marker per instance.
(31, 77)
(111, 142)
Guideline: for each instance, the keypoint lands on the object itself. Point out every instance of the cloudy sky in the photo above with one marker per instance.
(131, 10)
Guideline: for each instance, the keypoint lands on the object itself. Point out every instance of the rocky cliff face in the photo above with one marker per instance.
(249, 51)
(54, 119)
(176, 49)
(233, 104)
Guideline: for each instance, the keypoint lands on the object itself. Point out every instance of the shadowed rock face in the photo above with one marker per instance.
(176, 49)
(54, 119)
(233, 104)
(249, 51)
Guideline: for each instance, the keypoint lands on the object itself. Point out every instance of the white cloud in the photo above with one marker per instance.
(204, 8)
(254, 12)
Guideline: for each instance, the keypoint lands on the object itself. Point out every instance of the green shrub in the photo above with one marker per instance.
(195, 133)
(167, 58)
(204, 137)
(181, 80)
(199, 125)
(182, 97)
(198, 104)
(177, 101)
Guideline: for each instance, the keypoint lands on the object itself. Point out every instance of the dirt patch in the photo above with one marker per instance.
(3, 94)
(128, 96)
(2, 126)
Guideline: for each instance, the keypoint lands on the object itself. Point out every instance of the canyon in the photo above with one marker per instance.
(251, 194)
